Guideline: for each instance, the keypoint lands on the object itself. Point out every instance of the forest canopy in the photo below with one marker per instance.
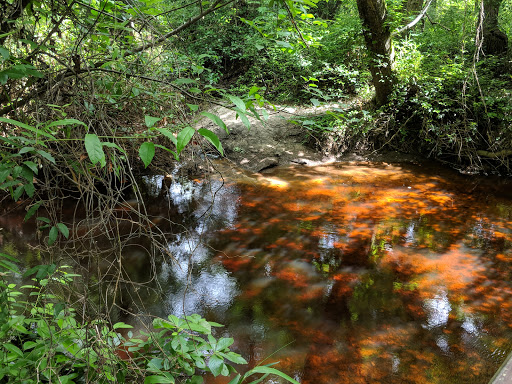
(433, 74)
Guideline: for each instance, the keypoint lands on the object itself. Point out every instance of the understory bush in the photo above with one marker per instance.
(44, 340)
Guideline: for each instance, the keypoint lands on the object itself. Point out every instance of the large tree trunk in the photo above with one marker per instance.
(495, 40)
(377, 37)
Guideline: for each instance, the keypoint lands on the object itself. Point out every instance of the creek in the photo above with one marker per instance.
(345, 272)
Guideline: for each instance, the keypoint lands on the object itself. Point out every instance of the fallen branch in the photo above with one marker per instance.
(493, 155)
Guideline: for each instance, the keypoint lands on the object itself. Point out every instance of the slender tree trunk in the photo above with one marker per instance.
(495, 41)
(327, 9)
(377, 37)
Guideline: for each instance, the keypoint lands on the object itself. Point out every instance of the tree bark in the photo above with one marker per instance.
(377, 36)
(495, 41)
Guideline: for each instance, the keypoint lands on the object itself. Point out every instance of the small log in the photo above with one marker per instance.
(502, 153)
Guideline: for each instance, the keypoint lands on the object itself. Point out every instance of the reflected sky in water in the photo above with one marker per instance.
(345, 273)
(365, 272)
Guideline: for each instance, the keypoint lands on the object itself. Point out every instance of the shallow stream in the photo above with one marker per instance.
(345, 273)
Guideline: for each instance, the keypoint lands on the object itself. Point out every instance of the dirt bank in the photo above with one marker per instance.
(276, 141)
(279, 142)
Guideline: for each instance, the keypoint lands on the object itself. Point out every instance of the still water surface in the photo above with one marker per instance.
(345, 273)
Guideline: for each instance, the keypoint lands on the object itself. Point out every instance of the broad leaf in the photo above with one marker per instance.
(167, 133)
(95, 149)
(243, 117)
(63, 229)
(236, 379)
(18, 192)
(168, 150)
(215, 364)
(46, 155)
(31, 165)
(184, 138)
(112, 145)
(54, 232)
(235, 358)
(224, 343)
(147, 152)
(159, 379)
(29, 189)
(14, 349)
(151, 121)
(32, 210)
(121, 325)
(212, 138)
(216, 119)
(4, 53)
(239, 103)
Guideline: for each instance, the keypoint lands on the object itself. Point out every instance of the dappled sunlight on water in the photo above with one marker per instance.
(377, 273)
(345, 273)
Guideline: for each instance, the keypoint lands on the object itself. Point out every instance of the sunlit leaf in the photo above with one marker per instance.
(184, 138)
(239, 103)
(244, 118)
(216, 119)
(158, 379)
(121, 325)
(212, 138)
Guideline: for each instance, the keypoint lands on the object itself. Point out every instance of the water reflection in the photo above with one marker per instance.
(367, 273)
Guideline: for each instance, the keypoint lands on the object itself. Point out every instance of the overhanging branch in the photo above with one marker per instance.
(420, 16)
(216, 5)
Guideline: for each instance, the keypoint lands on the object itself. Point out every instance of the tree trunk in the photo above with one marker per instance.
(495, 41)
(377, 37)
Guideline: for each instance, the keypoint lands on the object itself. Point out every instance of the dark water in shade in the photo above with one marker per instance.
(345, 273)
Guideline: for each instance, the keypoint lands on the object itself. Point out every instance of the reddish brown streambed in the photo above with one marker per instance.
(347, 273)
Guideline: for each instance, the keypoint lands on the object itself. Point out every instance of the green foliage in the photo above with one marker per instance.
(42, 340)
